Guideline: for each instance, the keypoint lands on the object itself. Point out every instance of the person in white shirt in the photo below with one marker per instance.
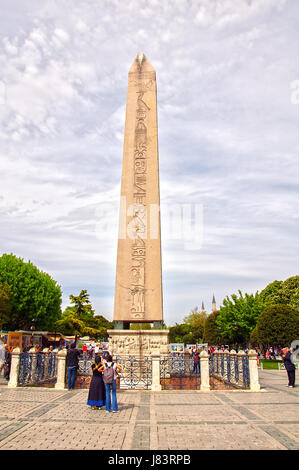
(110, 371)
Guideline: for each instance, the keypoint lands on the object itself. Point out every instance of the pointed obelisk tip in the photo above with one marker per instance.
(140, 57)
(141, 63)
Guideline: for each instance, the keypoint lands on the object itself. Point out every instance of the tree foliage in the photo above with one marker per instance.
(282, 292)
(196, 322)
(278, 325)
(5, 304)
(191, 331)
(69, 325)
(99, 322)
(79, 319)
(34, 295)
(82, 306)
(212, 332)
(253, 337)
(238, 316)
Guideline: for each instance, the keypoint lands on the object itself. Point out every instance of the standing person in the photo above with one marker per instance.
(196, 363)
(2, 356)
(257, 357)
(96, 396)
(290, 367)
(84, 350)
(7, 361)
(272, 353)
(72, 364)
(110, 371)
(105, 355)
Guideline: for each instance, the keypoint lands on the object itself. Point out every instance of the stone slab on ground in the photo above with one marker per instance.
(48, 419)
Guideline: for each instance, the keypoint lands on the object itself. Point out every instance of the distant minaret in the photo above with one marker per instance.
(202, 307)
(214, 304)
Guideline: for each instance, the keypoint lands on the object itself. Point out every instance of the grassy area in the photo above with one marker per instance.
(268, 364)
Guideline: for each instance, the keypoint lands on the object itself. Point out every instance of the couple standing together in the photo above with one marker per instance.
(103, 384)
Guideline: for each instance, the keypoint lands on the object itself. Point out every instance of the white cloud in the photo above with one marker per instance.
(228, 138)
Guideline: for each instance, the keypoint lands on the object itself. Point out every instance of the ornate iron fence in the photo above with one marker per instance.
(229, 370)
(37, 368)
(179, 372)
(136, 372)
(85, 364)
(25, 371)
(84, 372)
(245, 371)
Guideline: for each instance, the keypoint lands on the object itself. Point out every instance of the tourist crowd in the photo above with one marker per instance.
(102, 390)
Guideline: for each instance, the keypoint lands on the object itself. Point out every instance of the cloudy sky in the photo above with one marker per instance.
(228, 109)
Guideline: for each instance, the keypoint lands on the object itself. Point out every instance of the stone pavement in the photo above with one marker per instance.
(48, 419)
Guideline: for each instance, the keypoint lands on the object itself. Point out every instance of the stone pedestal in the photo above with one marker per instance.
(156, 381)
(61, 357)
(14, 368)
(253, 371)
(138, 342)
(204, 371)
(138, 352)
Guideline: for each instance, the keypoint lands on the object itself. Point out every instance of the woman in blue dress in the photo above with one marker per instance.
(96, 395)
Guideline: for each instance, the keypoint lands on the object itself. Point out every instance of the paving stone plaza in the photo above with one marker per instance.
(48, 419)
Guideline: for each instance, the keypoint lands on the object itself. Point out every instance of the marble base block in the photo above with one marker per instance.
(138, 342)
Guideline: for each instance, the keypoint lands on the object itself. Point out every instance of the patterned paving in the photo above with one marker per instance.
(43, 419)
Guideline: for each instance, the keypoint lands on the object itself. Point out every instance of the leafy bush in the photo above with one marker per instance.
(34, 295)
(278, 325)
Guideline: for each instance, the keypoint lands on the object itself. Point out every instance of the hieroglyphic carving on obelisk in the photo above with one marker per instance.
(138, 287)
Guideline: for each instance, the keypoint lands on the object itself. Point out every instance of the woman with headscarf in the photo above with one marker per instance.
(105, 355)
(96, 396)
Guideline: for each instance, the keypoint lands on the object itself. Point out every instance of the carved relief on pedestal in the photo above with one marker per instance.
(137, 343)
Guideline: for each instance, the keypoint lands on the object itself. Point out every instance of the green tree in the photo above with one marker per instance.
(178, 332)
(5, 304)
(282, 292)
(191, 331)
(290, 291)
(79, 319)
(195, 323)
(69, 325)
(212, 332)
(254, 337)
(278, 325)
(34, 294)
(238, 316)
(272, 293)
(82, 306)
(99, 322)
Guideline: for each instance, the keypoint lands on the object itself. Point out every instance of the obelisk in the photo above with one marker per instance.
(138, 285)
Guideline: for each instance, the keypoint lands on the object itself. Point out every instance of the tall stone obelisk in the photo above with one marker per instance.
(138, 286)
